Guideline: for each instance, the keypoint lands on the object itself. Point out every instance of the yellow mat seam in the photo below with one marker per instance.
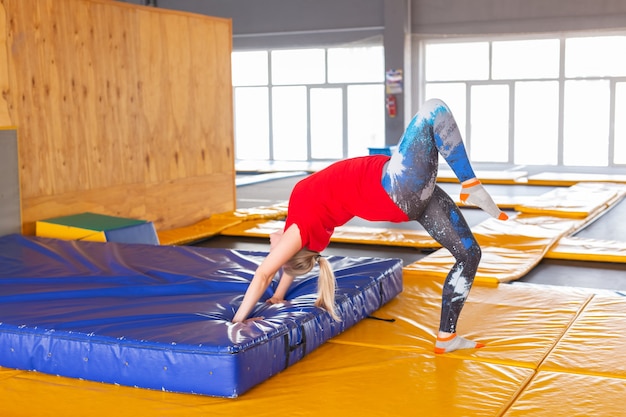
(567, 328)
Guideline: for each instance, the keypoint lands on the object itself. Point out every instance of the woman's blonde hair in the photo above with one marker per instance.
(301, 263)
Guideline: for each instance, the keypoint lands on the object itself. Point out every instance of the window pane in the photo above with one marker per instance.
(586, 123)
(489, 123)
(536, 122)
(595, 56)
(252, 123)
(620, 124)
(354, 65)
(457, 61)
(289, 123)
(326, 123)
(298, 66)
(525, 59)
(454, 95)
(249, 68)
(366, 118)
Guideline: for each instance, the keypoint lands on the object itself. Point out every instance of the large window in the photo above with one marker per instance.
(308, 104)
(559, 101)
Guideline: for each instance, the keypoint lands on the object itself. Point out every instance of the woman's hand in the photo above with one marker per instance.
(252, 319)
(275, 300)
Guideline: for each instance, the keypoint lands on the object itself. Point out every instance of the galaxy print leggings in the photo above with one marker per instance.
(410, 180)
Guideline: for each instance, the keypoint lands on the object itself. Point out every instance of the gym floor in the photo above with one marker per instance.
(597, 275)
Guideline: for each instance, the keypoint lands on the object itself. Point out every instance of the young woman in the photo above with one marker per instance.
(382, 188)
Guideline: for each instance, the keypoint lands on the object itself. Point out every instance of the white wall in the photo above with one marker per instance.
(303, 20)
(449, 17)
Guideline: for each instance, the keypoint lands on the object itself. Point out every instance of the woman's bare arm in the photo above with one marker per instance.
(281, 291)
(290, 243)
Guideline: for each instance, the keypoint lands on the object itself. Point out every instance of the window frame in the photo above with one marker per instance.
(561, 79)
(343, 86)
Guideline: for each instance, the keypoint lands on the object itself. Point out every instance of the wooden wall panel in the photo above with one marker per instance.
(186, 192)
(197, 129)
(118, 107)
(5, 116)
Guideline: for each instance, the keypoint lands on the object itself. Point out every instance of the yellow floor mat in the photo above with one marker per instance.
(335, 380)
(555, 394)
(512, 320)
(382, 368)
(595, 343)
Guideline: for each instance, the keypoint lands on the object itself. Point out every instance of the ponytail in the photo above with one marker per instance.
(326, 288)
(301, 263)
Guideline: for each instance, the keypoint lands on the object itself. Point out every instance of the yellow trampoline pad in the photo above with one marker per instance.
(255, 228)
(217, 223)
(504, 202)
(578, 201)
(345, 234)
(201, 230)
(510, 248)
(571, 178)
(585, 249)
(487, 177)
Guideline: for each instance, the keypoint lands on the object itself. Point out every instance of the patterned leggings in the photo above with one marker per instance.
(410, 180)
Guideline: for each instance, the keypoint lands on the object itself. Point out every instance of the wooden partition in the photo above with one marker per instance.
(120, 109)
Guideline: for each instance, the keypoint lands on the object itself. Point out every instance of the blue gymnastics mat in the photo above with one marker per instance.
(158, 317)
